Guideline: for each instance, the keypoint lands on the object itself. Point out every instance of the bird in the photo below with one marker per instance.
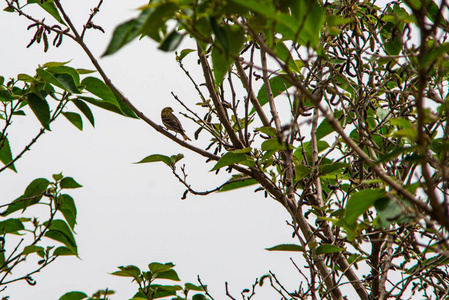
(171, 122)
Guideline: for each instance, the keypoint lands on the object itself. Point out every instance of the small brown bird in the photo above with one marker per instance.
(171, 122)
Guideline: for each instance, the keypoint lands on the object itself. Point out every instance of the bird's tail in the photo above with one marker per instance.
(185, 137)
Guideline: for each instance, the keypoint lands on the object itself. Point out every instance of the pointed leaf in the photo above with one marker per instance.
(75, 119)
(230, 158)
(328, 248)
(156, 267)
(232, 184)
(49, 7)
(301, 171)
(331, 168)
(32, 249)
(128, 271)
(286, 247)
(36, 187)
(220, 35)
(110, 106)
(61, 232)
(171, 41)
(192, 287)
(63, 81)
(99, 89)
(360, 202)
(170, 274)
(73, 296)
(156, 157)
(124, 34)
(40, 109)
(5, 152)
(68, 209)
(278, 85)
(11, 226)
(63, 251)
(274, 144)
(69, 183)
(82, 106)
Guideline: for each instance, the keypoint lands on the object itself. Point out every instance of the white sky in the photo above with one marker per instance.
(133, 214)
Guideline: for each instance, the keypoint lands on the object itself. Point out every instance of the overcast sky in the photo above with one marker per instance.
(128, 213)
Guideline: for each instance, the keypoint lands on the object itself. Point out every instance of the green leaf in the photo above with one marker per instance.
(331, 168)
(274, 144)
(305, 23)
(170, 274)
(11, 10)
(54, 64)
(263, 7)
(75, 119)
(220, 35)
(82, 106)
(49, 7)
(99, 89)
(278, 85)
(40, 109)
(57, 177)
(156, 18)
(5, 152)
(128, 271)
(68, 82)
(301, 171)
(112, 102)
(175, 158)
(68, 209)
(73, 296)
(156, 267)
(11, 226)
(155, 158)
(36, 187)
(63, 251)
(162, 293)
(110, 106)
(390, 211)
(139, 296)
(171, 41)
(199, 297)
(63, 81)
(127, 112)
(230, 158)
(33, 249)
(221, 65)
(236, 184)
(360, 202)
(84, 71)
(409, 133)
(284, 54)
(268, 130)
(401, 122)
(69, 183)
(396, 152)
(287, 247)
(192, 287)
(66, 70)
(26, 78)
(325, 128)
(61, 232)
(32, 195)
(126, 32)
(7, 96)
(328, 248)
(184, 53)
